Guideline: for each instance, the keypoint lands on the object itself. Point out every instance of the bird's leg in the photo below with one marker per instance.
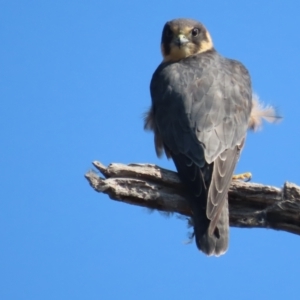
(244, 176)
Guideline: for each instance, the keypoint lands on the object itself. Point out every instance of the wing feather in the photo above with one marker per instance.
(201, 107)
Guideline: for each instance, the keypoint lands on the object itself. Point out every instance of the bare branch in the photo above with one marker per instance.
(250, 204)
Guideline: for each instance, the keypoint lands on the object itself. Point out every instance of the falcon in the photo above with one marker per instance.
(200, 113)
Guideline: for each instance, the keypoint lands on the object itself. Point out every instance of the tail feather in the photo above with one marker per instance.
(197, 181)
(217, 243)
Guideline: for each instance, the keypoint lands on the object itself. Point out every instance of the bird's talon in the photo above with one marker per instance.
(244, 177)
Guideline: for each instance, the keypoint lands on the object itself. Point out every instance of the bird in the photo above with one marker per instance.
(200, 113)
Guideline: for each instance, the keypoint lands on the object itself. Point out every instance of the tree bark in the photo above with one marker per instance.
(250, 204)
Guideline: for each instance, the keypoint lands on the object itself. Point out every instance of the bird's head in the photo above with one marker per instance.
(184, 37)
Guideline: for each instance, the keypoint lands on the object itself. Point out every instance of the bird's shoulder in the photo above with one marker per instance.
(210, 94)
(210, 64)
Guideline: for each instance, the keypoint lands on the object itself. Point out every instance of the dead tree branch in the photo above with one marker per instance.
(250, 204)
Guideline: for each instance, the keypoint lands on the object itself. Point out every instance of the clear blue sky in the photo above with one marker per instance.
(74, 82)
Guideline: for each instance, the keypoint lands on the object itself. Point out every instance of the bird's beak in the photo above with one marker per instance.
(180, 40)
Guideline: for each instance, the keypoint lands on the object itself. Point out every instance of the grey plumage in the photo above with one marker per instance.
(200, 113)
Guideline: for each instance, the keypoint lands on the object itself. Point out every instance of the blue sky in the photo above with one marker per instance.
(74, 83)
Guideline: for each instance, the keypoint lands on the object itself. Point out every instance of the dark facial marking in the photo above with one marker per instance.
(167, 36)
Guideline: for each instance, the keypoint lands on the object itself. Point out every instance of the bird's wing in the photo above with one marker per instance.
(221, 105)
(202, 118)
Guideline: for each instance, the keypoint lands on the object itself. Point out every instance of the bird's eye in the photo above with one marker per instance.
(195, 31)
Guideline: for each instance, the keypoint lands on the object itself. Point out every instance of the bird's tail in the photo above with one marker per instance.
(196, 180)
(217, 243)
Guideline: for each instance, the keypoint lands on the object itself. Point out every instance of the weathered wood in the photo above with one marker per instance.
(250, 204)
